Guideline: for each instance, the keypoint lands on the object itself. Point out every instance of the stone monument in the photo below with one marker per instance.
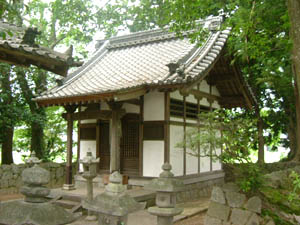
(89, 173)
(166, 187)
(114, 205)
(34, 209)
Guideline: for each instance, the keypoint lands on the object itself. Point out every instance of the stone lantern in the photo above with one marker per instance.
(89, 173)
(34, 209)
(114, 205)
(166, 187)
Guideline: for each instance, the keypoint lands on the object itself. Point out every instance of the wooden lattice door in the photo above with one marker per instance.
(129, 145)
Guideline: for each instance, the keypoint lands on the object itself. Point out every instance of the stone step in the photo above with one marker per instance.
(73, 198)
(66, 203)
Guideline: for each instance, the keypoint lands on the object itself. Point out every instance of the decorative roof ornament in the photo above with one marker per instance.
(29, 36)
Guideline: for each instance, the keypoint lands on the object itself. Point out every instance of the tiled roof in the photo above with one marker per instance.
(14, 49)
(143, 59)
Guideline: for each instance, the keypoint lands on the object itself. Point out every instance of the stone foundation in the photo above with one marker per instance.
(10, 176)
(231, 207)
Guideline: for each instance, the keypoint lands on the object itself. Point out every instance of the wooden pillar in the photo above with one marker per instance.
(167, 128)
(115, 135)
(210, 110)
(68, 182)
(184, 135)
(141, 135)
(78, 141)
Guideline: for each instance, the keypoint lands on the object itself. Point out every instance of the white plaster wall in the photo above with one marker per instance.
(154, 108)
(153, 158)
(130, 108)
(86, 146)
(191, 99)
(216, 105)
(176, 154)
(176, 119)
(191, 161)
(204, 86)
(176, 95)
(216, 163)
(215, 91)
(204, 164)
(204, 102)
(104, 106)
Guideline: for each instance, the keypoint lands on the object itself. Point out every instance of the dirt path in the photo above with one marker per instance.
(6, 197)
(193, 220)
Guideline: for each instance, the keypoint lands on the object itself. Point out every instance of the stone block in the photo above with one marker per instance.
(3, 183)
(7, 175)
(226, 223)
(15, 169)
(59, 172)
(235, 200)
(1, 172)
(254, 204)
(271, 222)
(6, 167)
(254, 220)
(230, 187)
(217, 195)
(239, 216)
(212, 221)
(12, 182)
(218, 211)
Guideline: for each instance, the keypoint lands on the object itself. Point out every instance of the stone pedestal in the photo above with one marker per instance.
(114, 205)
(90, 172)
(166, 187)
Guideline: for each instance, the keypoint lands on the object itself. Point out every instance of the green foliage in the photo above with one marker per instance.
(249, 178)
(295, 177)
(277, 219)
(232, 131)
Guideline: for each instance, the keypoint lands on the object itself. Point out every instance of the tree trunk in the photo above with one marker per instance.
(7, 144)
(292, 136)
(37, 139)
(261, 141)
(294, 14)
(7, 124)
(37, 124)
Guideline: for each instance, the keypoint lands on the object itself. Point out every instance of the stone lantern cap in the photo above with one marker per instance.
(166, 181)
(114, 201)
(33, 159)
(89, 159)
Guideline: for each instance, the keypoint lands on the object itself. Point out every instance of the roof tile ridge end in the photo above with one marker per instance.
(76, 74)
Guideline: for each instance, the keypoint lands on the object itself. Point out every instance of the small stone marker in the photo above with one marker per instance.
(218, 211)
(114, 205)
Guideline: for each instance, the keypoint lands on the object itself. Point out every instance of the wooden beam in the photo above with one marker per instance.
(184, 135)
(129, 95)
(137, 102)
(141, 134)
(200, 94)
(167, 128)
(99, 114)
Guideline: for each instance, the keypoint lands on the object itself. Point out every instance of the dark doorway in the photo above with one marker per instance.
(129, 145)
